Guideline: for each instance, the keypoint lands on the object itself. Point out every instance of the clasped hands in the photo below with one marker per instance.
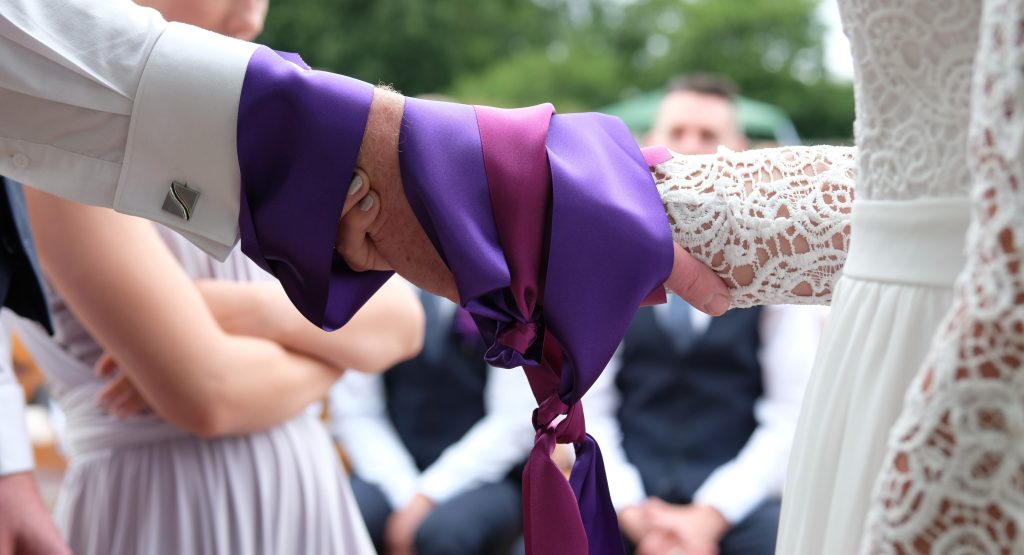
(657, 528)
(378, 230)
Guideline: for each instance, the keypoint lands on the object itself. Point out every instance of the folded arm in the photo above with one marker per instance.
(133, 297)
(386, 331)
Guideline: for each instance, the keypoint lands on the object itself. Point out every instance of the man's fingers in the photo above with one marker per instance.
(358, 188)
(353, 241)
(697, 284)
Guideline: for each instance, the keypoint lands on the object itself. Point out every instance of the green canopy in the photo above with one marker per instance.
(760, 120)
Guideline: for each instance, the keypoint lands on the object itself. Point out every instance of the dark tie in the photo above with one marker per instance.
(680, 326)
(434, 332)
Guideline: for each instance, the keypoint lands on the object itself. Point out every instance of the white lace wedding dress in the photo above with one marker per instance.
(929, 256)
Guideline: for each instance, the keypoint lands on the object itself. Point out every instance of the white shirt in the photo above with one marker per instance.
(15, 448)
(103, 102)
(487, 452)
(789, 338)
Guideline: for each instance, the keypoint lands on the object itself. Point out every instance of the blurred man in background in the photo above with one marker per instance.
(437, 443)
(697, 115)
(695, 415)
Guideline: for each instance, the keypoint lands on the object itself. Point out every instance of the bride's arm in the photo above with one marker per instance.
(773, 223)
(953, 476)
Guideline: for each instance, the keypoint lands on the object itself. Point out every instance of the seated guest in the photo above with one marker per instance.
(437, 443)
(696, 416)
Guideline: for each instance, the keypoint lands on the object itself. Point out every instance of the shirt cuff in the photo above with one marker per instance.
(15, 446)
(184, 129)
(734, 495)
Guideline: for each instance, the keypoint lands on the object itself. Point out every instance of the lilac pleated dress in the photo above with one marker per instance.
(142, 486)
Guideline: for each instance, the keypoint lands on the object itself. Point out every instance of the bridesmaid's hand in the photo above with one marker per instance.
(119, 397)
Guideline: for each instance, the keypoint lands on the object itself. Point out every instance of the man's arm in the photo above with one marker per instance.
(624, 482)
(25, 524)
(220, 139)
(15, 448)
(105, 103)
(360, 422)
(492, 447)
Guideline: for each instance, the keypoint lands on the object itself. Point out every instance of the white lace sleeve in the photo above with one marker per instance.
(953, 477)
(774, 223)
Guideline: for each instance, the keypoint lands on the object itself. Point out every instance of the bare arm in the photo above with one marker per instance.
(134, 298)
(386, 331)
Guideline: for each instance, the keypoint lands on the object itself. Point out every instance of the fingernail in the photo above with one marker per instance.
(366, 204)
(357, 183)
(718, 305)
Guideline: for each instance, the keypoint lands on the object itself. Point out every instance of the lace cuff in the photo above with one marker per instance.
(774, 223)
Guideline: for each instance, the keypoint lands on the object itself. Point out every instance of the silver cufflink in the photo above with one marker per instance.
(180, 200)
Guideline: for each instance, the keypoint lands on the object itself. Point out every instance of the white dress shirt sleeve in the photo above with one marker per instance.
(601, 406)
(15, 448)
(490, 449)
(103, 102)
(789, 339)
(359, 421)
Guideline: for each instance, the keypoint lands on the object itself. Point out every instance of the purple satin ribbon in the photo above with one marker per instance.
(550, 224)
(299, 133)
(557, 237)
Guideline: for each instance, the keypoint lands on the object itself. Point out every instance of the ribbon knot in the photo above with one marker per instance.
(571, 429)
(514, 342)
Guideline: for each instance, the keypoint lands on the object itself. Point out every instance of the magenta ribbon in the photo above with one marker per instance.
(558, 235)
(551, 225)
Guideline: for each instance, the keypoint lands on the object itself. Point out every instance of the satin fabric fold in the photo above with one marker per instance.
(574, 238)
(299, 133)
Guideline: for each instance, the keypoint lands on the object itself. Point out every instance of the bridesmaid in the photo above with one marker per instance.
(227, 460)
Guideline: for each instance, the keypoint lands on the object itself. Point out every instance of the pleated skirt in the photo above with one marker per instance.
(282, 491)
(896, 288)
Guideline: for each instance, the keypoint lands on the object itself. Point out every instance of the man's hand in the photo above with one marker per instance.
(26, 527)
(381, 232)
(401, 528)
(698, 528)
(660, 542)
(634, 524)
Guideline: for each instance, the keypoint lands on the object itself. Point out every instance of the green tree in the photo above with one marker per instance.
(578, 54)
